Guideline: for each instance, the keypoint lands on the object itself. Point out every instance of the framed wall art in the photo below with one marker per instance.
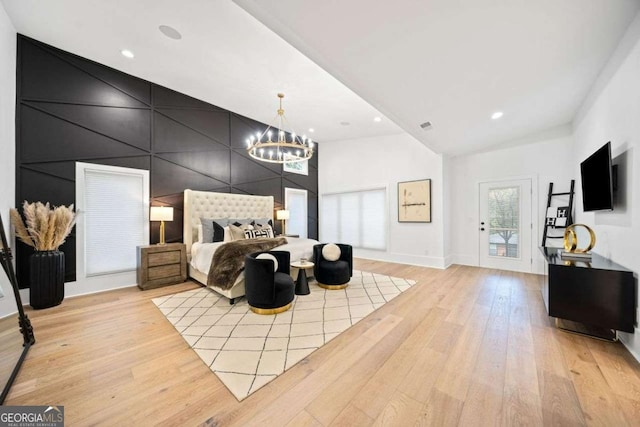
(414, 201)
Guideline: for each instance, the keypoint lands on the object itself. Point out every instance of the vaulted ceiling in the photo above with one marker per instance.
(342, 63)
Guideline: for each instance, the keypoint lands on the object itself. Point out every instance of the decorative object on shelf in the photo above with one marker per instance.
(571, 249)
(25, 332)
(45, 230)
(558, 217)
(283, 215)
(284, 151)
(414, 201)
(162, 214)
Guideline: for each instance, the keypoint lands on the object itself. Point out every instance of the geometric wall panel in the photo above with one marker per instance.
(213, 124)
(264, 187)
(49, 76)
(211, 163)
(172, 136)
(169, 178)
(127, 125)
(242, 172)
(56, 139)
(71, 109)
(164, 97)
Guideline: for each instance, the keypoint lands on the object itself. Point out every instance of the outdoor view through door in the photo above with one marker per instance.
(505, 225)
(504, 221)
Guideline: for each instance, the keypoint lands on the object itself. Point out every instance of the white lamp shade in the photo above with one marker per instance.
(282, 214)
(161, 213)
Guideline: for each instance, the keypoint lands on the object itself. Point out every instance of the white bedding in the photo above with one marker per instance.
(202, 253)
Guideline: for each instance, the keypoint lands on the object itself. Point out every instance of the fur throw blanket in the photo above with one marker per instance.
(228, 260)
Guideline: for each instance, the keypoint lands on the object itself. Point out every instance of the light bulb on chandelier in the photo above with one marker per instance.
(283, 150)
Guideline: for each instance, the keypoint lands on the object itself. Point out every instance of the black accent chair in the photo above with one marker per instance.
(268, 292)
(333, 274)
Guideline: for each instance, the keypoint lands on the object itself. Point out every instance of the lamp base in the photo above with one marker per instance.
(162, 242)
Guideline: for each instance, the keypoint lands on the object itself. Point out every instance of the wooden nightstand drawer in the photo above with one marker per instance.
(164, 258)
(163, 271)
(161, 265)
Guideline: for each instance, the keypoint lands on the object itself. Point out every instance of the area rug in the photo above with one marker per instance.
(246, 350)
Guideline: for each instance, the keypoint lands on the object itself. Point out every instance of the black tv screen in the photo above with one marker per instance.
(597, 180)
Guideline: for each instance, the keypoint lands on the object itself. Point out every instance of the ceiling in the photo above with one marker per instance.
(452, 63)
(225, 57)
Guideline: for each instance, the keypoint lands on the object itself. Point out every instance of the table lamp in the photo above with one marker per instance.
(282, 215)
(162, 214)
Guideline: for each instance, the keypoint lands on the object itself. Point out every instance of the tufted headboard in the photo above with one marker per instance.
(206, 204)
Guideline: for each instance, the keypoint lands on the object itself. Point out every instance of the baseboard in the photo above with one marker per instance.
(448, 261)
(628, 340)
(463, 259)
(408, 259)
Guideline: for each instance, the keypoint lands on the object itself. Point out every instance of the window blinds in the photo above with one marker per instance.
(357, 218)
(115, 220)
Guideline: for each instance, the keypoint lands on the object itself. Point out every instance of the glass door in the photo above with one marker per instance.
(505, 225)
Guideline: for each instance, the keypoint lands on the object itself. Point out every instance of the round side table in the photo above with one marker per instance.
(302, 286)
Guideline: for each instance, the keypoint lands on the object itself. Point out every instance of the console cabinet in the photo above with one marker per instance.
(595, 292)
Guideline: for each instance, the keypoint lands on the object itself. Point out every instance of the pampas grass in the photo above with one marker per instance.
(44, 229)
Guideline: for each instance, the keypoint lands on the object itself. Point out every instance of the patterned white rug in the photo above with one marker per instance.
(246, 350)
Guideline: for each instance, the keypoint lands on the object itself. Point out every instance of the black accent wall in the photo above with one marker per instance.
(72, 109)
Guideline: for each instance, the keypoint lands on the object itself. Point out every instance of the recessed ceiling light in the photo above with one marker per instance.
(170, 32)
(127, 53)
(497, 115)
(377, 119)
(312, 130)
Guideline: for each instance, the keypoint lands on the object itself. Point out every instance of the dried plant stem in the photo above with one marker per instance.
(21, 229)
(44, 228)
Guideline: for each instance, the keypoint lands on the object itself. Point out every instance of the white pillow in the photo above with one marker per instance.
(331, 252)
(266, 255)
(200, 233)
(227, 234)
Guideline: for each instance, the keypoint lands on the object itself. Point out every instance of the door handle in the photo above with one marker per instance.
(481, 228)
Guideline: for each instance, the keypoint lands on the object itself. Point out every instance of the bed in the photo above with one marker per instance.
(206, 204)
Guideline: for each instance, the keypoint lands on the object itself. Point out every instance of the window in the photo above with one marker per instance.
(504, 218)
(357, 218)
(113, 218)
(296, 203)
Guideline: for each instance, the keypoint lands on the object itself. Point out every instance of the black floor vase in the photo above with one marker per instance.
(46, 279)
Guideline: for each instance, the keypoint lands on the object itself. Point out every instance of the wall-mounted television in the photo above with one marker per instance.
(597, 180)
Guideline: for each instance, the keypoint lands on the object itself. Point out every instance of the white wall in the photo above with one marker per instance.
(545, 161)
(384, 161)
(7, 141)
(614, 115)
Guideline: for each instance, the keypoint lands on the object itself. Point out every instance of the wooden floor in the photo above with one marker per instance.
(466, 346)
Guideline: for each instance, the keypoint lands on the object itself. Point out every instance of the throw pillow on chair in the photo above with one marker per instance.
(333, 265)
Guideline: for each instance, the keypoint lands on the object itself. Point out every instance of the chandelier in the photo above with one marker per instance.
(284, 149)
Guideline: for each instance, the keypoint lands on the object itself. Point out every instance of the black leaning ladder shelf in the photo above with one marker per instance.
(550, 197)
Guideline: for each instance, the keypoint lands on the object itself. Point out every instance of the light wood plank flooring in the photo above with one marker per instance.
(466, 346)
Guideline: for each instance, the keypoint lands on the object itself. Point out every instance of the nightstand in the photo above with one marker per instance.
(161, 265)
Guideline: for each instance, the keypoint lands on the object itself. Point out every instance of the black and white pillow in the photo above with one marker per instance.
(257, 234)
(266, 228)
